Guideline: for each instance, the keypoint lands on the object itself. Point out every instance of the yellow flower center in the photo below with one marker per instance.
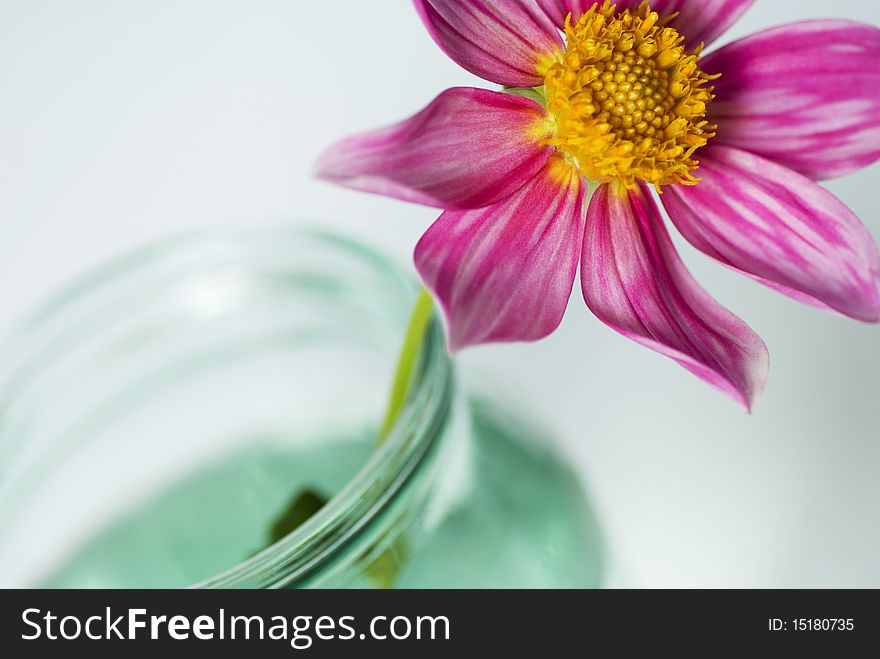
(628, 100)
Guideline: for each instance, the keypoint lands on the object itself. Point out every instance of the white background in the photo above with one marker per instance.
(125, 121)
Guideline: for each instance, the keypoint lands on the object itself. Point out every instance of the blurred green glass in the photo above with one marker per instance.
(158, 419)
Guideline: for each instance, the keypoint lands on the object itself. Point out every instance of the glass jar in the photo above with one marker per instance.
(162, 419)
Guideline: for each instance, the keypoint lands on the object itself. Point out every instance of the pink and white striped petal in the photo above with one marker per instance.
(469, 148)
(509, 42)
(505, 273)
(558, 10)
(781, 228)
(698, 21)
(806, 95)
(634, 281)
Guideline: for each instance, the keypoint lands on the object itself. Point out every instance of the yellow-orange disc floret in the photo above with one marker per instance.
(628, 100)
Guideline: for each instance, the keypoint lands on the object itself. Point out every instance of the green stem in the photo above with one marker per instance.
(412, 344)
(384, 569)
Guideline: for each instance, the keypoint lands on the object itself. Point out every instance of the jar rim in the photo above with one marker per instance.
(313, 546)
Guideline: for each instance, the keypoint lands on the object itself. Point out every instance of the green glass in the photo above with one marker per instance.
(159, 418)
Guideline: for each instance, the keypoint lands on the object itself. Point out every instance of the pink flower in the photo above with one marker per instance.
(615, 100)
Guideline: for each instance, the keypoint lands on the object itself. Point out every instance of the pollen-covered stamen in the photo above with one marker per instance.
(629, 101)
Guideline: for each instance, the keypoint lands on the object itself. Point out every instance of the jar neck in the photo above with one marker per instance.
(136, 321)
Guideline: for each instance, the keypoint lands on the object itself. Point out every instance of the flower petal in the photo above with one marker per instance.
(781, 228)
(701, 21)
(635, 282)
(558, 10)
(467, 149)
(509, 43)
(698, 21)
(806, 95)
(505, 273)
